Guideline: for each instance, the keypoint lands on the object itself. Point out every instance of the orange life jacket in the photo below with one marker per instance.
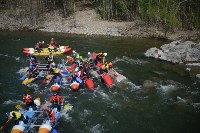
(27, 98)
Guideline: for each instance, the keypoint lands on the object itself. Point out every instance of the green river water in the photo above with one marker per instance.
(172, 107)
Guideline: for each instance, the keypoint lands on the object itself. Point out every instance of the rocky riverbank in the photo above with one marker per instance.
(87, 22)
(179, 52)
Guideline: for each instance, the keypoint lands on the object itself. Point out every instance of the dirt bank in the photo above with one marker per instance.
(88, 22)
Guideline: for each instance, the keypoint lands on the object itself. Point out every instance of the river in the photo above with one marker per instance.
(173, 106)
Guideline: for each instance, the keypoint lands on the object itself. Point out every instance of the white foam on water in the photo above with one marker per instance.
(65, 114)
(13, 102)
(102, 94)
(33, 85)
(97, 129)
(133, 87)
(196, 105)
(129, 60)
(181, 99)
(16, 58)
(22, 71)
(167, 88)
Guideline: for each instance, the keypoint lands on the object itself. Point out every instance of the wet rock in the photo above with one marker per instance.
(176, 52)
(149, 84)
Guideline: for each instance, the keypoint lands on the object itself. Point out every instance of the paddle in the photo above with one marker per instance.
(23, 77)
(4, 124)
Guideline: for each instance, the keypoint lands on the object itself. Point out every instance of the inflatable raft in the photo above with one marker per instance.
(23, 127)
(45, 51)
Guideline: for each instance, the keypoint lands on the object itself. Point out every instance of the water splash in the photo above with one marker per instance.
(13, 102)
(97, 129)
(167, 88)
(65, 111)
(196, 105)
(22, 71)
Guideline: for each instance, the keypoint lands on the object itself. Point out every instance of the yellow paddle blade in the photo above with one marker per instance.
(31, 80)
(66, 107)
(25, 81)
(18, 106)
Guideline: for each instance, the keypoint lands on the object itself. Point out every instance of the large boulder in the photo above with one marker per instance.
(176, 52)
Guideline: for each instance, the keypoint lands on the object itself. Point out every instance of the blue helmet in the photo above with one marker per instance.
(32, 58)
(7, 114)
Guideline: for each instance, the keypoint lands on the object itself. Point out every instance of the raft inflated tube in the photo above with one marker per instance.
(108, 80)
(28, 49)
(90, 84)
(67, 50)
(74, 86)
(18, 129)
(55, 88)
(45, 128)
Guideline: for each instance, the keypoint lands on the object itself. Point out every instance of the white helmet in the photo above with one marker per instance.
(76, 70)
(105, 54)
(88, 53)
(73, 51)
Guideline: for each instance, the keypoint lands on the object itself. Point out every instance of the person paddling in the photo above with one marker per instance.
(28, 100)
(56, 101)
(17, 116)
(53, 43)
(51, 114)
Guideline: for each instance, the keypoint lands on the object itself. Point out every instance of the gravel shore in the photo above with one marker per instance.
(88, 22)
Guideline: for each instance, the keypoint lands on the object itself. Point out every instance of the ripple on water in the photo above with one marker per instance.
(13, 102)
(129, 60)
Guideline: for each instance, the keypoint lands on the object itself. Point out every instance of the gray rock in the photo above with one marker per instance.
(176, 52)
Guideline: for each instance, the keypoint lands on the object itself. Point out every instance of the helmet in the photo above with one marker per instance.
(52, 38)
(42, 42)
(54, 94)
(53, 64)
(32, 58)
(88, 53)
(110, 64)
(76, 70)
(67, 57)
(105, 54)
(73, 51)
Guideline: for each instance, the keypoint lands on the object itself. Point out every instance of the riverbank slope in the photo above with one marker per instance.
(88, 22)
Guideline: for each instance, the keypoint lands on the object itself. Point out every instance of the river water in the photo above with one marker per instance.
(173, 106)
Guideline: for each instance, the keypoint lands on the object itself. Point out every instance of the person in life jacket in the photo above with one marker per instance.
(56, 101)
(33, 71)
(74, 54)
(104, 68)
(17, 116)
(51, 114)
(28, 100)
(38, 46)
(33, 60)
(55, 71)
(70, 59)
(49, 58)
(53, 43)
(100, 57)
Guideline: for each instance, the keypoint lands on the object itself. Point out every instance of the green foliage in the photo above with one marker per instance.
(168, 13)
